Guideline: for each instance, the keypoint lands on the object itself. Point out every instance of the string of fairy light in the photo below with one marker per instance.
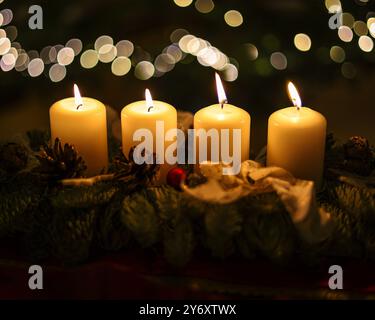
(124, 55)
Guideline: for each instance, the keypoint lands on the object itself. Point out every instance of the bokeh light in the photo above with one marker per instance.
(4, 45)
(76, 45)
(204, 6)
(365, 43)
(57, 72)
(7, 62)
(45, 54)
(7, 16)
(89, 59)
(337, 54)
(121, 66)
(107, 53)
(302, 42)
(175, 52)
(333, 6)
(102, 41)
(11, 32)
(144, 70)
(35, 67)
(345, 34)
(348, 19)
(33, 54)
(252, 51)
(233, 18)
(164, 62)
(124, 48)
(183, 3)
(177, 34)
(65, 56)
(184, 41)
(230, 72)
(360, 28)
(279, 61)
(22, 62)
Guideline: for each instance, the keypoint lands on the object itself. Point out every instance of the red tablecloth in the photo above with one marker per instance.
(143, 275)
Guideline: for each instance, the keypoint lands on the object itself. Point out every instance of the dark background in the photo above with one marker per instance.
(348, 104)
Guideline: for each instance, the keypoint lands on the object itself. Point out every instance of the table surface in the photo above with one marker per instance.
(145, 275)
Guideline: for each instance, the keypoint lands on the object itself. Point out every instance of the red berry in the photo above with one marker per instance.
(175, 177)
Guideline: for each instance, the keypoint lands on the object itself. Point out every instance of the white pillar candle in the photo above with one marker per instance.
(145, 115)
(82, 123)
(296, 140)
(224, 116)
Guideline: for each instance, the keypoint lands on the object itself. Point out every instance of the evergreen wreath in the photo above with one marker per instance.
(122, 208)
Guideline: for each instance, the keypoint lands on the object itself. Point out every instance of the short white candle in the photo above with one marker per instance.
(296, 140)
(82, 123)
(144, 115)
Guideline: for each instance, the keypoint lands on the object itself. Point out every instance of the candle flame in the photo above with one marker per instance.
(77, 97)
(294, 96)
(149, 102)
(220, 90)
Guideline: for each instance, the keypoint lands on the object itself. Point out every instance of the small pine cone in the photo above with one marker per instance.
(60, 162)
(357, 147)
(13, 157)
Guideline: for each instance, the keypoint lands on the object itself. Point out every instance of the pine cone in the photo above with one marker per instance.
(357, 147)
(13, 157)
(59, 162)
(358, 156)
(135, 175)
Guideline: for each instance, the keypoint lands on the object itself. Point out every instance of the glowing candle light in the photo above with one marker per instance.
(154, 116)
(224, 116)
(82, 123)
(296, 139)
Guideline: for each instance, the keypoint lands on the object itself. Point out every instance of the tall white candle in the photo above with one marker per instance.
(224, 116)
(296, 140)
(82, 123)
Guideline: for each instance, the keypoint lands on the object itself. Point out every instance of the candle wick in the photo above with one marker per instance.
(80, 105)
(149, 108)
(222, 103)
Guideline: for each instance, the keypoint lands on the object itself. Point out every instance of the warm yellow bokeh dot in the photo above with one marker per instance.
(204, 6)
(89, 59)
(302, 42)
(348, 20)
(371, 23)
(233, 18)
(183, 3)
(360, 28)
(121, 66)
(333, 5)
(365, 43)
(345, 34)
(337, 54)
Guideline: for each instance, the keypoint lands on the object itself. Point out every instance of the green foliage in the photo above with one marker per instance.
(18, 198)
(83, 196)
(140, 217)
(72, 233)
(71, 223)
(222, 223)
